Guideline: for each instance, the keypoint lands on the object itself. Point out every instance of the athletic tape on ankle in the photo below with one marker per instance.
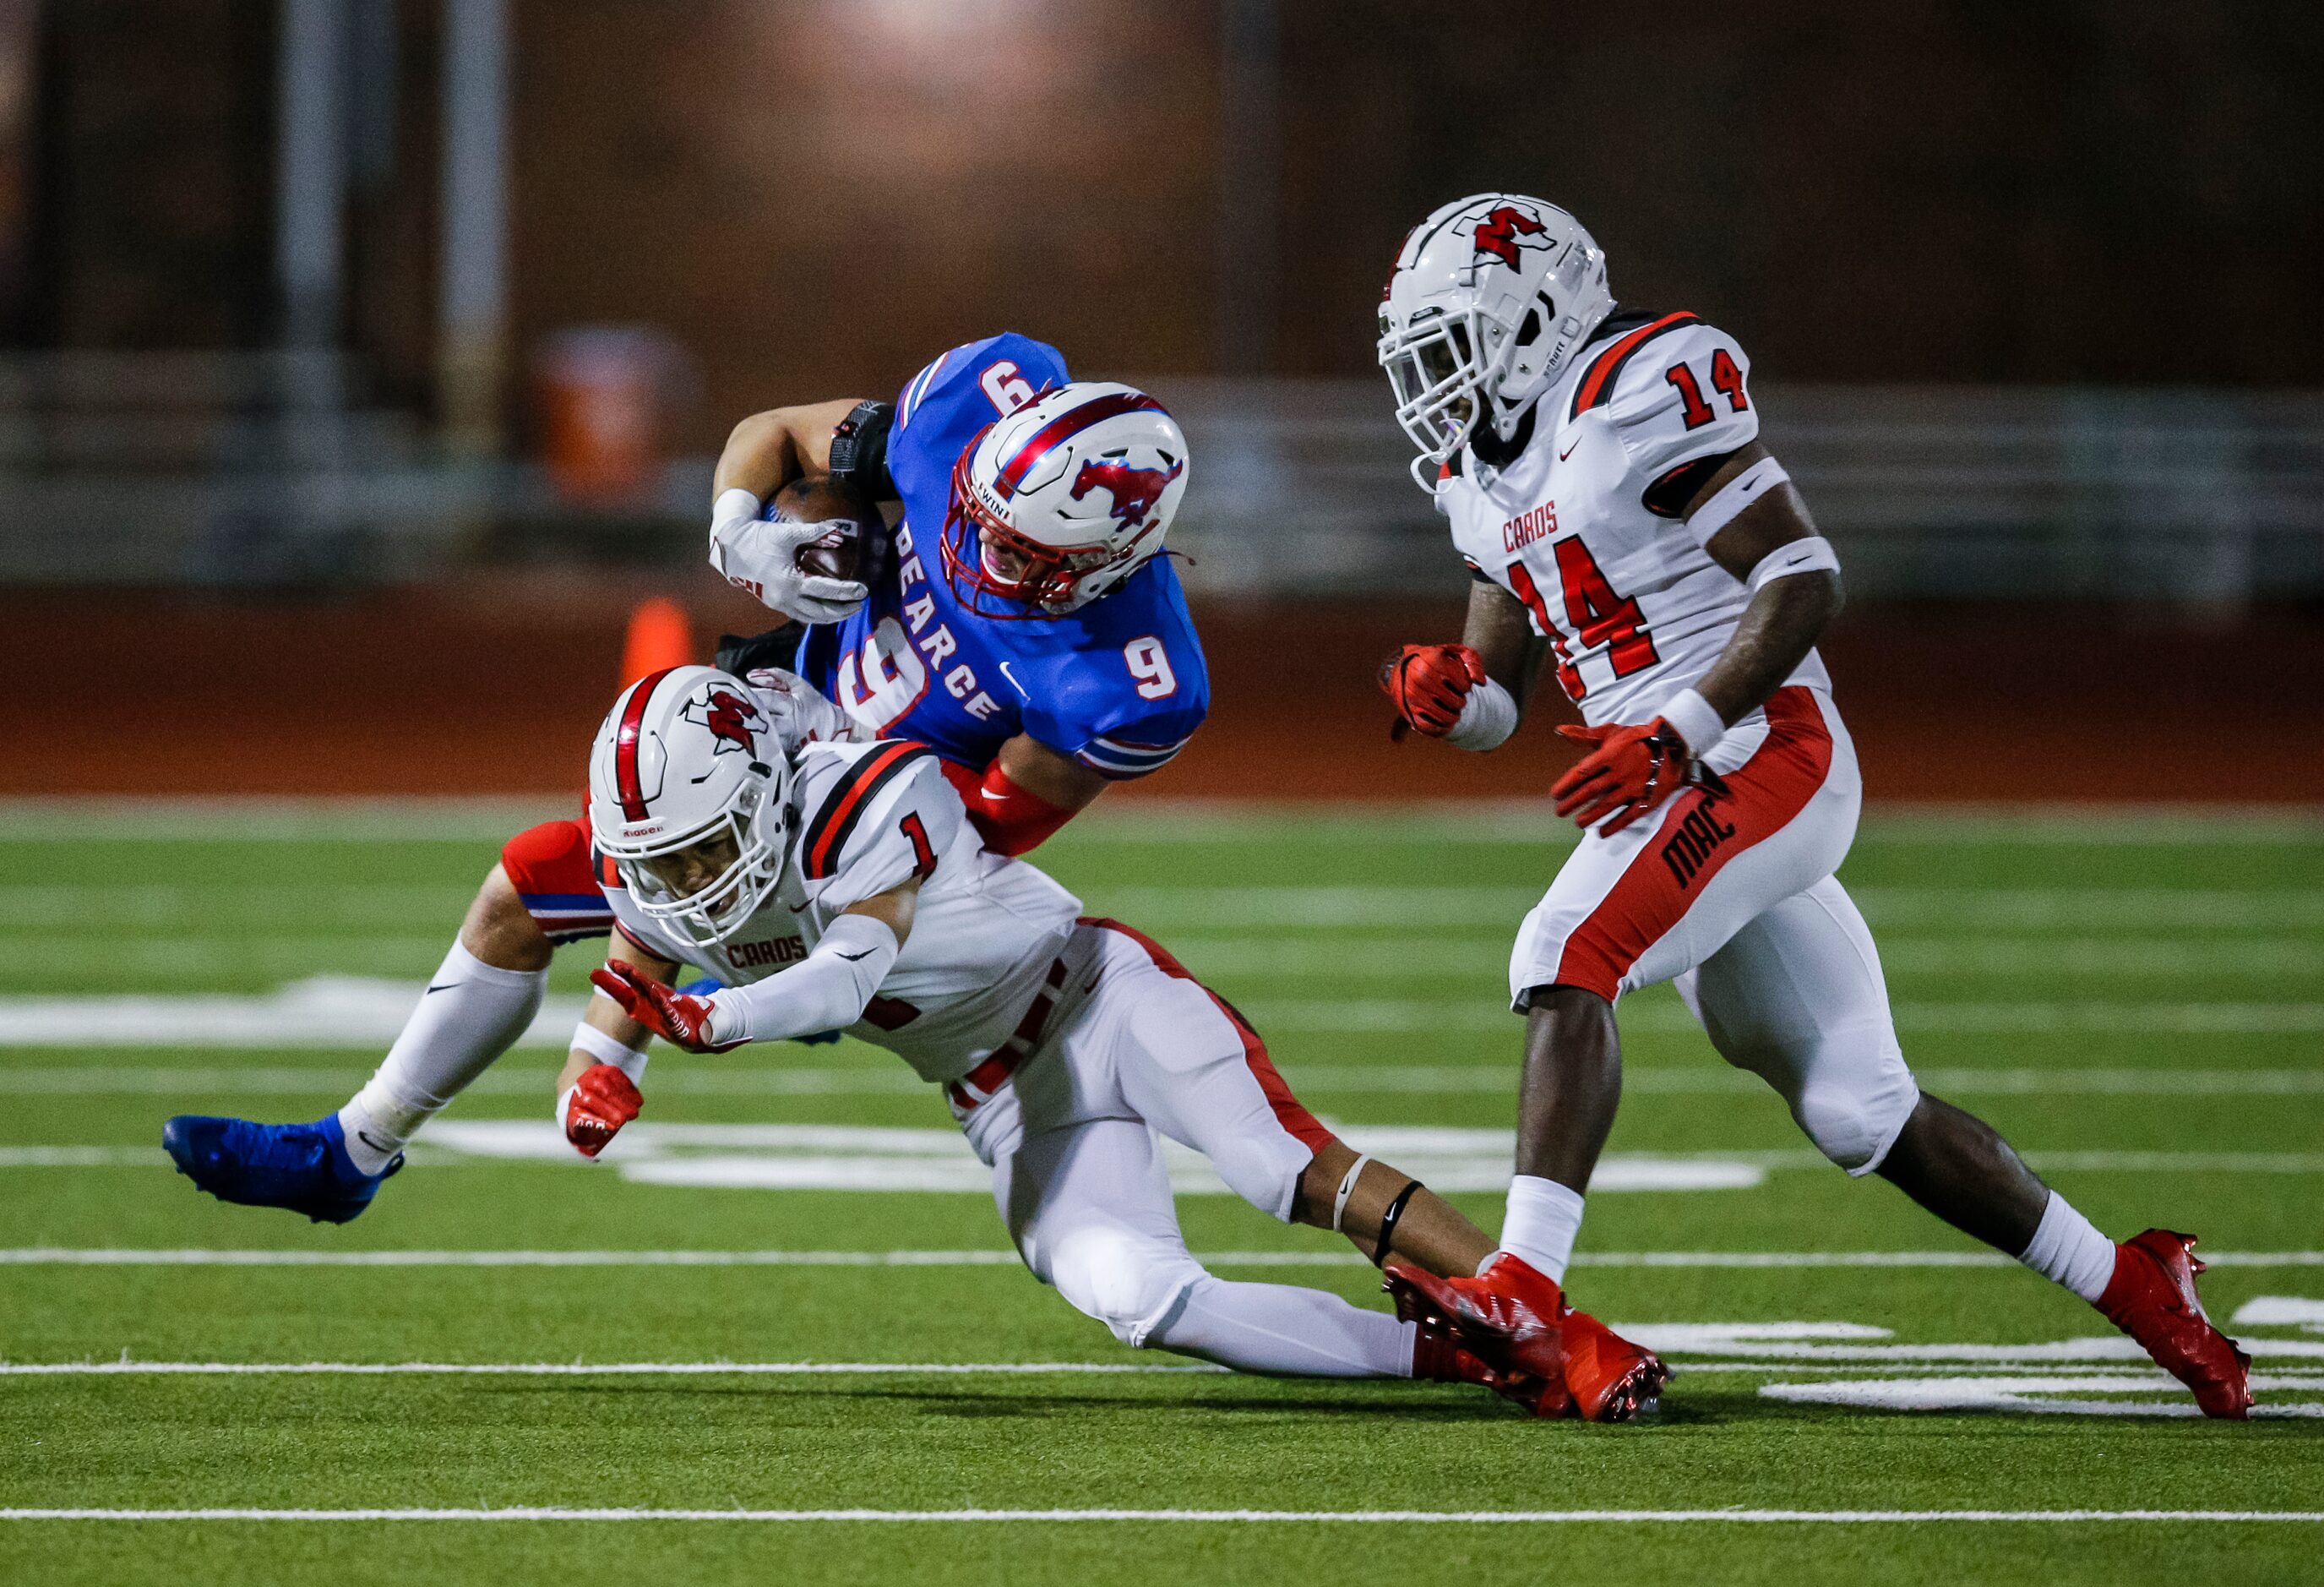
(1732, 497)
(1347, 1188)
(606, 1048)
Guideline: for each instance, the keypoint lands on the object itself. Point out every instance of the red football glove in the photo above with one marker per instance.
(595, 1107)
(1429, 684)
(677, 1016)
(1628, 771)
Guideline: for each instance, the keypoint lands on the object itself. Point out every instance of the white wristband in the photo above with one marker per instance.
(1802, 555)
(734, 505)
(1695, 719)
(607, 1048)
(1487, 716)
(1347, 1188)
(1736, 494)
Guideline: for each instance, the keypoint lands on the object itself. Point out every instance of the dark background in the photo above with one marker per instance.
(2112, 211)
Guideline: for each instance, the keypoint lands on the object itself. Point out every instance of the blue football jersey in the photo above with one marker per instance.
(1119, 685)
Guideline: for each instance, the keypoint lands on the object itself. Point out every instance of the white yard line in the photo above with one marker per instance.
(1321, 1255)
(2095, 1017)
(119, 1369)
(1149, 820)
(1216, 1516)
(366, 1013)
(530, 1080)
(1480, 956)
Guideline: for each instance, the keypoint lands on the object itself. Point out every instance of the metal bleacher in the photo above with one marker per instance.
(272, 469)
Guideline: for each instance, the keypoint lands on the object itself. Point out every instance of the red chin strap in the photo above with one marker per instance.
(1011, 820)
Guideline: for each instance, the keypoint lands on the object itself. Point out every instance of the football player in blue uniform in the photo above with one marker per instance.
(1020, 620)
(1025, 627)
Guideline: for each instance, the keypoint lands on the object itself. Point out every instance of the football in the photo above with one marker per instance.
(838, 553)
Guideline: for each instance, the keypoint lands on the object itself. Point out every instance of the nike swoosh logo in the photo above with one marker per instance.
(850, 958)
(1561, 457)
(441, 986)
(364, 1136)
(1012, 680)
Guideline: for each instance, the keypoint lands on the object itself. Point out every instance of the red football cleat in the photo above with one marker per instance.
(1610, 1379)
(1438, 1356)
(2152, 1298)
(1508, 1315)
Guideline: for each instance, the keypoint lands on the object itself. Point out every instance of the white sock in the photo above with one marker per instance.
(2067, 1249)
(471, 1014)
(1286, 1330)
(1543, 1218)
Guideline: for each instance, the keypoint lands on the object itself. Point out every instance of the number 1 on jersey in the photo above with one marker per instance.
(924, 853)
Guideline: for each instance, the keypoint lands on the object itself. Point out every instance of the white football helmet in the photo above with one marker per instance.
(1058, 502)
(1489, 296)
(686, 797)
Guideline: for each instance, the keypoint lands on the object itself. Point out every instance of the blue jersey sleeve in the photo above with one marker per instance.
(1129, 686)
(941, 409)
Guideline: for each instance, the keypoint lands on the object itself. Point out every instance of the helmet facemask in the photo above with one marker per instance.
(1051, 578)
(744, 848)
(1449, 370)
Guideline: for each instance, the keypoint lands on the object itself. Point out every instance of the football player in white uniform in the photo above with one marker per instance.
(1604, 477)
(845, 890)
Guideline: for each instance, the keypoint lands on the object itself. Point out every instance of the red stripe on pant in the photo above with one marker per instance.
(1764, 793)
(1297, 1122)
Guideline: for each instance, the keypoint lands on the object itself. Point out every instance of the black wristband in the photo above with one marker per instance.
(1388, 1221)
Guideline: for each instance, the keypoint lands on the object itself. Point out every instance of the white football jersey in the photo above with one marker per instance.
(985, 932)
(1582, 526)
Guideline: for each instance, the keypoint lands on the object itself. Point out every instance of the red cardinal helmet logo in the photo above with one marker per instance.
(1499, 232)
(730, 718)
(1135, 491)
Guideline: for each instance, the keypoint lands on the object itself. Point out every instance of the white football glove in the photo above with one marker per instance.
(762, 557)
(800, 715)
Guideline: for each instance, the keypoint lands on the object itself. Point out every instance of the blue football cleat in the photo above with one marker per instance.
(303, 1168)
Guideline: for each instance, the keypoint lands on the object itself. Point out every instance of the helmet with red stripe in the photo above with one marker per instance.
(1060, 501)
(1490, 299)
(686, 797)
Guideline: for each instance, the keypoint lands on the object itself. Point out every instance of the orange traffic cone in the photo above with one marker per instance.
(660, 637)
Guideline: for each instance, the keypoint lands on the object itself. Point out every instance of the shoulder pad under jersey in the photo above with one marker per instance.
(1674, 390)
(870, 816)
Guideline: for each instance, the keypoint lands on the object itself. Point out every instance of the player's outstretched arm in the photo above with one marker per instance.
(1471, 695)
(598, 1091)
(826, 991)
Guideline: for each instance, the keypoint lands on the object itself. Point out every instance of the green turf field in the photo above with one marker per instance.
(708, 1325)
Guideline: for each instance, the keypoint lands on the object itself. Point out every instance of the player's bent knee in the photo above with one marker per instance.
(1265, 1174)
(501, 931)
(1855, 1125)
(1130, 1283)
